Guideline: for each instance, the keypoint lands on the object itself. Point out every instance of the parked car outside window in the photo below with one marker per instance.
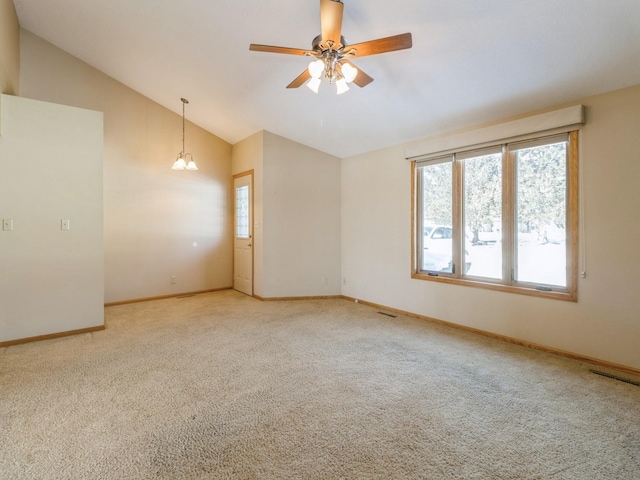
(437, 247)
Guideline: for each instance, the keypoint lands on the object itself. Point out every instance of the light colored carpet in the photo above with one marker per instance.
(222, 386)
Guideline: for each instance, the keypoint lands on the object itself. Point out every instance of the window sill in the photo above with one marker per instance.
(569, 296)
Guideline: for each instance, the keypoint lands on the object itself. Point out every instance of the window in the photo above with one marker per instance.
(242, 212)
(501, 217)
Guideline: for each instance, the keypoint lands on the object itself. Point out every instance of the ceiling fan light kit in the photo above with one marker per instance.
(333, 54)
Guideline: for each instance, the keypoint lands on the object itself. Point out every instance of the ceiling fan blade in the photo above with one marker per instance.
(362, 79)
(300, 79)
(381, 45)
(271, 49)
(331, 22)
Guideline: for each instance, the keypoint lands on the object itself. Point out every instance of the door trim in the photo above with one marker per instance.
(233, 229)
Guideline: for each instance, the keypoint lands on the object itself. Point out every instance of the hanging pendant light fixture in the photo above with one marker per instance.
(181, 162)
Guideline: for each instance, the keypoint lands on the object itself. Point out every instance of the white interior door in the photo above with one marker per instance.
(243, 238)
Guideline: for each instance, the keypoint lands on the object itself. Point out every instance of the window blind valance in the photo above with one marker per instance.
(557, 121)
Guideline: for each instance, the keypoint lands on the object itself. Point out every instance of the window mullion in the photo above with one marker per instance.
(508, 216)
(416, 213)
(458, 218)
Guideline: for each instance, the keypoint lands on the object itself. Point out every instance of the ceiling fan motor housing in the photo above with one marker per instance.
(318, 46)
(330, 56)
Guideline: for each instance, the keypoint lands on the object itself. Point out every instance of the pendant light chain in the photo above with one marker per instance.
(184, 102)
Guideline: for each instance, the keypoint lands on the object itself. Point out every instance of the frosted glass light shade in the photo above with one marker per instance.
(179, 164)
(191, 165)
(314, 84)
(341, 86)
(316, 68)
(349, 73)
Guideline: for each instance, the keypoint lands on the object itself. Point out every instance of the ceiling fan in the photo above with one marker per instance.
(333, 54)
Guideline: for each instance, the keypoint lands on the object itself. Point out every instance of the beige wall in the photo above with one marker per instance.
(9, 49)
(160, 223)
(296, 216)
(603, 324)
(248, 155)
(157, 222)
(51, 161)
(301, 220)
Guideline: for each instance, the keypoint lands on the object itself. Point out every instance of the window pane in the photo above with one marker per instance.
(437, 211)
(242, 212)
(541, 205)
(483, 216)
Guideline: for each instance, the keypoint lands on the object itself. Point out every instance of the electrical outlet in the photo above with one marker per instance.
(325, 281)
(173, 280)
(344, 280)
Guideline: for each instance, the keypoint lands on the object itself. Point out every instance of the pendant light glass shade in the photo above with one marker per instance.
(179, 164)
(191, 165)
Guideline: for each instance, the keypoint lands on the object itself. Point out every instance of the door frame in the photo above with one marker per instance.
(251, 223)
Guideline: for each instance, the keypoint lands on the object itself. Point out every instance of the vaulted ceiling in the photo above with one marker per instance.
(471, 62)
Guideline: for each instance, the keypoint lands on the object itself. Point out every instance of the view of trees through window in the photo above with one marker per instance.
(438, 214)
(541, 212)
(483, 214)
(534, 185)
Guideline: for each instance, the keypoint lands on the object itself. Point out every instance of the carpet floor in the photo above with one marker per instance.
(224, 386)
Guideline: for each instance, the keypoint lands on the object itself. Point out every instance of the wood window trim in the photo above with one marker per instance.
(571, 291)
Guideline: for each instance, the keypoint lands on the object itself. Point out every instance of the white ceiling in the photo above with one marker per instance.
(471, 62)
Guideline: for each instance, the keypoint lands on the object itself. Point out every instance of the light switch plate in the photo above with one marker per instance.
(65, 224)
(7, 224)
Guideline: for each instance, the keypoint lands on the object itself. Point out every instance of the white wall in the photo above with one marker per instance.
(157, 222)
(51, 280)
(603, 324)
